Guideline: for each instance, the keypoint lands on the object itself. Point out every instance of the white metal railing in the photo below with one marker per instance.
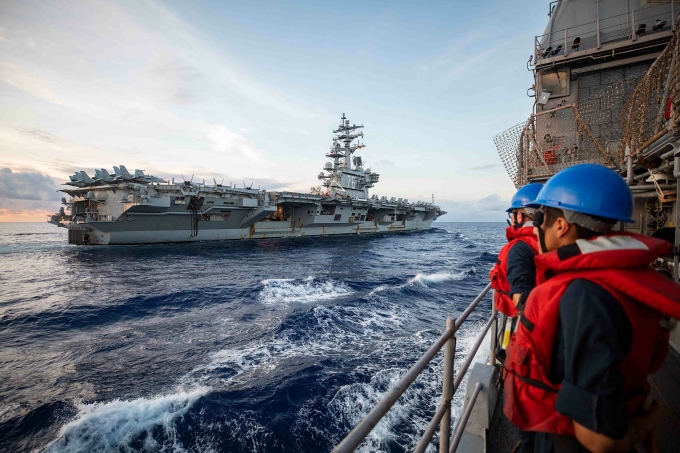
(442, 416)
(591, 35)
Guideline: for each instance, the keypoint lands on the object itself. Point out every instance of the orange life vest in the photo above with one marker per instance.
(619, 262)
(499, 273)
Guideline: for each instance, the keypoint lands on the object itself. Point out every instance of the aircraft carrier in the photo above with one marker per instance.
(126, 208)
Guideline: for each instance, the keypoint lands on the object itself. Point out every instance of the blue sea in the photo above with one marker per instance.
(271, 345)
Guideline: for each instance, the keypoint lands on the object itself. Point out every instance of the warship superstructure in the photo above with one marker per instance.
(126, 208)
(607, 91)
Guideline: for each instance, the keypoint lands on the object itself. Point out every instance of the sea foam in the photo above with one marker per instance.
(115, 425)
(310, 289)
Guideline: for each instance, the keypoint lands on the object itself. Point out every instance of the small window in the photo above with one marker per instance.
(556, 82)
(337, 217)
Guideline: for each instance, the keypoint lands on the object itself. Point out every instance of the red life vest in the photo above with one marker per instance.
(499, 273)
(619, 262)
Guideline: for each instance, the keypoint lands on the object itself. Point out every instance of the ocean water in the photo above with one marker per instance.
(273, 345)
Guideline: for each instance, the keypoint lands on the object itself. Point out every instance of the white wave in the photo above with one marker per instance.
(114, 425)
(408, 417)
(381, 288)
(260, 359)
(414, 408)
(424, 279)
(287, 290)
(438, 277)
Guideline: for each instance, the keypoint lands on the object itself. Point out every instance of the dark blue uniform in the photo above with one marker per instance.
(521, 270)
(594, 336)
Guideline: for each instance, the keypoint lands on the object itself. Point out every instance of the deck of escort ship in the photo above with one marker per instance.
(607, 91)
(125, 208)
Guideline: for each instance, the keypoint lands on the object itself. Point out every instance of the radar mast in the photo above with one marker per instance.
(346, 174)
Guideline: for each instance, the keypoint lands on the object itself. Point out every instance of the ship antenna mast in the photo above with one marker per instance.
(345, 135)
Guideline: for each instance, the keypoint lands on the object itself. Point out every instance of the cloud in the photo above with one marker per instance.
(233, 144)
(21, 77)
(41, 135)
(485, 167)
(27, 186)
(492, 203)
(177, 81)
(490, 208)
(465, 54)
(384, 164)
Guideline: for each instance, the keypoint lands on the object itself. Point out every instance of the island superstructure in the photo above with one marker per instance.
(607, 90)
(126, 208)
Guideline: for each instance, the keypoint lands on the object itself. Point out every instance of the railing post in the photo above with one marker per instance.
(597, 5)
(447, 387)
(632, 27)
(566, 52)
(535, 49)
(494, 337)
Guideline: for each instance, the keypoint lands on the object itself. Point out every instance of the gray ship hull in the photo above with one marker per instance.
(101, 233)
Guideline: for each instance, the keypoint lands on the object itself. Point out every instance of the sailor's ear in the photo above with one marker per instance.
(562, 227)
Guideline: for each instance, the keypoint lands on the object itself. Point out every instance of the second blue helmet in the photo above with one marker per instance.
(524, 195)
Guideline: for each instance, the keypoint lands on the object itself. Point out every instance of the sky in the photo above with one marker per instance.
(251, 92)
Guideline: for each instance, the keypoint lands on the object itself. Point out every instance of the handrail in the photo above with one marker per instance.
(359, 433)
(471, 355)
(464, 419)
(425, 440)
(463, 316)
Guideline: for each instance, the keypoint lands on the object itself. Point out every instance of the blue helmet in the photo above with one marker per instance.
(524, 195)
(588, 189)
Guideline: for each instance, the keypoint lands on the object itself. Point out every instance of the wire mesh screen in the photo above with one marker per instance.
(588, 131)
(635, 111)
(509, 145)
(649, 112)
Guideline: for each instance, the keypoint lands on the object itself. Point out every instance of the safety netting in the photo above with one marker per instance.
(627, 116)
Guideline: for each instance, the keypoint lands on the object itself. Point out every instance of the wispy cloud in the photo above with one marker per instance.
(234, 145)
(462, 56)
(485, 167)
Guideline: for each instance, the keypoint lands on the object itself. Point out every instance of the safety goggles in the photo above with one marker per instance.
(527, 210)
(583, 220)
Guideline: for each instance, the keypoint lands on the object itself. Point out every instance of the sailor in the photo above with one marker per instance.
(592, 330)
(514, 275)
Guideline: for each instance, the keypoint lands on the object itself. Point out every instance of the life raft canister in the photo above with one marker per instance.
(619, 262)
(499, 273)
(550, 156)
